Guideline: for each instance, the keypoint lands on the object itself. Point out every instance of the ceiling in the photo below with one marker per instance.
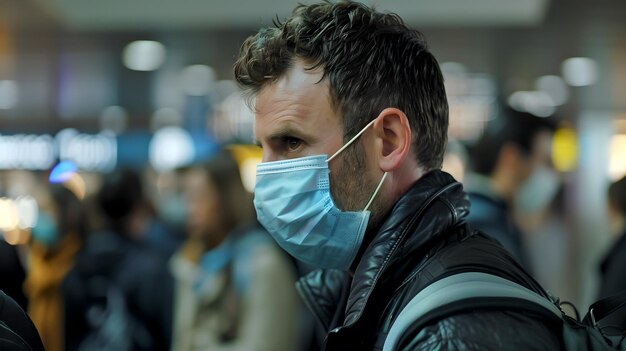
(193, 14)
(514, 41)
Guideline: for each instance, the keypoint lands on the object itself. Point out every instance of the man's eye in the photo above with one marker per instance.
(292, 144)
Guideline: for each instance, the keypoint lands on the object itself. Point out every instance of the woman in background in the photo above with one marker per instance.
(234, 287)
(57, 237)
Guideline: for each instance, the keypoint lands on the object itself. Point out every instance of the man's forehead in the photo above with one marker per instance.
(296, 103)
(300, 94)
(297, 83)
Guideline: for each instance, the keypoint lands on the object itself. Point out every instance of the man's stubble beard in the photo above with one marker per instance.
(351, 187)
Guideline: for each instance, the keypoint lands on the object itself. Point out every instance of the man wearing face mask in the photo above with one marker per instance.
(351, 113)
(511, 174)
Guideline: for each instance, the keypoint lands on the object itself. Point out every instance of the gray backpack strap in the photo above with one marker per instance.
(459, 287)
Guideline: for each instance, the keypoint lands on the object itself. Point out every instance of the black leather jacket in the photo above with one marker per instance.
(424, 239)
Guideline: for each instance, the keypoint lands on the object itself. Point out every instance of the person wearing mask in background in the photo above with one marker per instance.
(119, 294)
(166, 228)
(613, 266)
(57, 237)
(234, 287)
(512, 173)
(351, 113)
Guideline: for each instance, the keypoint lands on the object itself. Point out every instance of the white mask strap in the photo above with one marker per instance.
(376, 191)
(351, 141)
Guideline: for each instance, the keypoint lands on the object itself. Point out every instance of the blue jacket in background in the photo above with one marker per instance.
(489, 213)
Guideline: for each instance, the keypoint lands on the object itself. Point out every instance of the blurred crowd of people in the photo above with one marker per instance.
(136, 266)
(192, 269)
(108, 272)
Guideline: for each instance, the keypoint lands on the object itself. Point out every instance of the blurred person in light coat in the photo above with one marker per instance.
(512, 175)
(234, 287)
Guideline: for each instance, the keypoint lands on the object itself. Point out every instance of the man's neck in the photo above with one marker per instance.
(402, 183)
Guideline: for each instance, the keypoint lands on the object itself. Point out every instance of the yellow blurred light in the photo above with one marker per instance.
(617, 157)
(9, 217)
(565, 149)
(247, 157)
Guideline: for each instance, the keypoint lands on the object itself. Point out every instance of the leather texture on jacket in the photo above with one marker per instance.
(425, 238)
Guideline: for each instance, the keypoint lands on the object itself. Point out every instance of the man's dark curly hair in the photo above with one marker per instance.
(371, 60)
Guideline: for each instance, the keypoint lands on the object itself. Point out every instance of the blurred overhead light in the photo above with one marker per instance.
(580, 71)
(144, 55)
(197, 80)
(555, 87)
(9, 216)
(8, 94)
(536, 103)
(26, 151)
(27, 210)
(93, 152)
(170, 148)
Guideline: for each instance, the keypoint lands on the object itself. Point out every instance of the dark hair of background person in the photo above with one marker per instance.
(371, 60)
(121, 193)
(509, 127)
(72, 218)
(222, 171)
(617, 195)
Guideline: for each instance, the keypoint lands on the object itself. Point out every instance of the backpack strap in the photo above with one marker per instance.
(609, 314)
(461, 292)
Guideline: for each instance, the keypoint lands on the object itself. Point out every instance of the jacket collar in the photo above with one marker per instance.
(435, 203)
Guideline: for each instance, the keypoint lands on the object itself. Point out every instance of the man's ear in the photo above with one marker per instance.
(393, 138)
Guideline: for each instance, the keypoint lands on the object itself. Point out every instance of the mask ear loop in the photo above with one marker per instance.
(376, 191)
(351, 141)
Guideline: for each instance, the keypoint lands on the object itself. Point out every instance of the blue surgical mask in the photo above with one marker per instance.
(293, 202)
(45, 231)
(173, 210)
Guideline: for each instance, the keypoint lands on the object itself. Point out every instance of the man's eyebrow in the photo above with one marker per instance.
(286, 131)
